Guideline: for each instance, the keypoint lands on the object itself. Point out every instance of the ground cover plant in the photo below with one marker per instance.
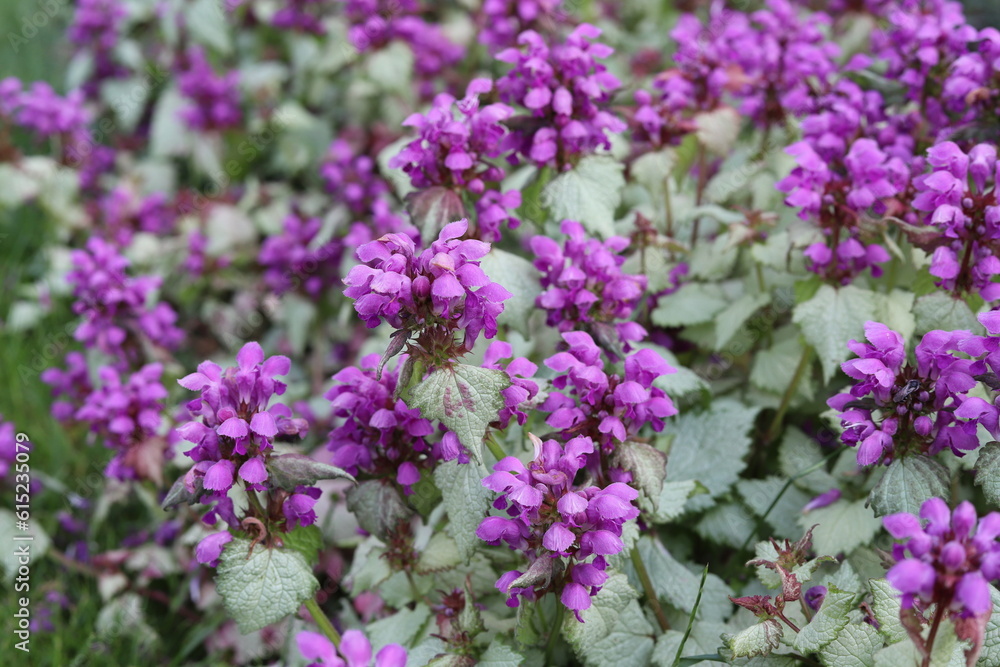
(353, 332)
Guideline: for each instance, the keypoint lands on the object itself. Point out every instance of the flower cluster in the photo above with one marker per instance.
(443, 287)
(294, 258)
(233, 431)
(96, 29)
(452, 152)
(895, 408)
(374, 23)
(839, 200)
(522, 391)
(214, 101)
(503, 20)
(295, 15)
(584, 286)
(379, 434)
(770, 60)
(605, 406)
(919, 46)
(566, 91)
(967, 215)
(565, 532)
(127, 415)
(948, 561)
(355, 651)
(42, 111)
(353, 178)
(113, 305)
(237, 427)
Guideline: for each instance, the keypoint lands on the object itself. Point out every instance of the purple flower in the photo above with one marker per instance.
(522, 390)
(126, 415)
(948, 560)
(922, 405)
(565, 90)
(233, 429)
(503, 20)
(583, 284)
(209, 550)
(213, 101)
(292, 259)
(610, 408)
(377, 433)
(442, 287)
(113, 305)
(549, 517)
(967, 217)
(355, 651)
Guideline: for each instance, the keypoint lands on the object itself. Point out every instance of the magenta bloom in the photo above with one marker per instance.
(610, 408)
(566, 92)
(355, 651)
(947, 560)
(925, 405)
(234, 410)
(549, 517)
(442, 286)
(584, 284)
(213, 100)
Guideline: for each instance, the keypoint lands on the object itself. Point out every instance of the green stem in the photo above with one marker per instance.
(786, 398)
(647, 585)
(323, 622)
(494, 447)
(550, 645)
(255, 504)
(791, 480)
(690, 623)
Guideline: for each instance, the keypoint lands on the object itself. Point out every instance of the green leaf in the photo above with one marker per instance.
(441, 553)
(895, 312)
(520, 277)
(843, 526)
(988, 472)
(886, 606)
(693, 303)
(465, 499)
(671, 580)
(465, 399)
(774, 369)
(207, 23)
(834, 316)
(991, 638)
(404, 627)
(670, 504)
(713, 261)
(589, 193)
(378, 507)
(732, 319)
(648, 467)
(854, 646)
(907, 483)
(760, 493)
(799, 452)
(499, 654)
(614, 631)
(759, 639)
(898, 655)
(939, 310)
(729, 523)
(307, 540)
(718, 129)
(710, 447)
(433, 208)
(287, 471)
(828, 621)
(264, 586)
